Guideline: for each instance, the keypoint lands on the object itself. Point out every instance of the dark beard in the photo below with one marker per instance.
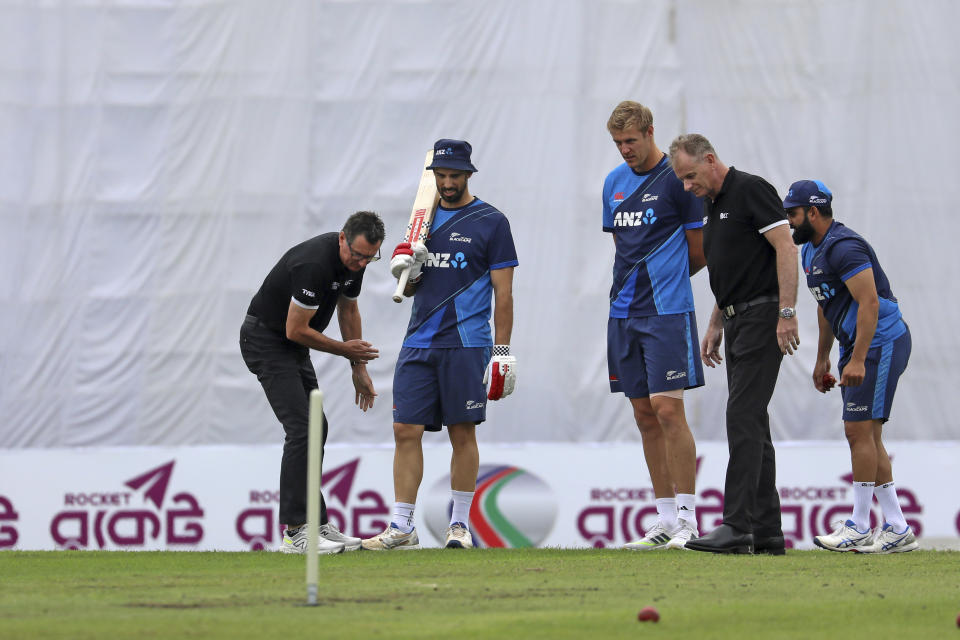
(804, 233)
(453, 198)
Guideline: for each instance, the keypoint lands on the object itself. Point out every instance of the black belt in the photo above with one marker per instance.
(731, 310)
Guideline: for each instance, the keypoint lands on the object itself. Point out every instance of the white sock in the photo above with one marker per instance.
(686, 509)
(461, 506)
(403, 516)
(862, 499)
(667, 510)
(890, 505)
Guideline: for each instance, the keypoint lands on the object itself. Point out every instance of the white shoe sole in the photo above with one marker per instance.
(409, 547)
(456, 544)
(322, 552)
(909, 547)
(860, 549)
(351, 547)
(676, 544)
(646, 547)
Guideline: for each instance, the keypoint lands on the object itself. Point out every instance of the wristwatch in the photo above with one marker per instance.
(788, 312)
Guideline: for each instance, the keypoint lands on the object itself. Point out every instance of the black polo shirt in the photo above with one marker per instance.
(313, 275)
(741, 263)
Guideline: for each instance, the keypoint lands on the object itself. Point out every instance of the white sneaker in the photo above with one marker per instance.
(656, 538)
(295, 541)
(458, 537)
(392, 538)
(330, 532)
(685, 532)
(845, 538)
(887, 541)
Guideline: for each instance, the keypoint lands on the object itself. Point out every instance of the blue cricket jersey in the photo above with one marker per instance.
(453, 302)
(841, 255)
(648, 213)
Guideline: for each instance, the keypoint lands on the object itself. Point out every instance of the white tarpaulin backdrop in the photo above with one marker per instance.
(158, 157)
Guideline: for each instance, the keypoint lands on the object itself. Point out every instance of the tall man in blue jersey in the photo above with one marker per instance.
(439, 379)
(652, 343)
(855, 305)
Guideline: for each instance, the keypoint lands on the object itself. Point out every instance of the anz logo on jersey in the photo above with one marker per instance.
(823, 292)
(634, 218)
(444, 261)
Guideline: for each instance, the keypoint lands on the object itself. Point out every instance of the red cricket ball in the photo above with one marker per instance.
(648, 614)
(828, 382)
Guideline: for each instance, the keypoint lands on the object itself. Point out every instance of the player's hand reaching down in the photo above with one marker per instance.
(502, 373)
(363, 386)
(822, 380)
(406, 255)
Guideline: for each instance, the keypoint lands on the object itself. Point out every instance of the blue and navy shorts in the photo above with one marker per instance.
(653, 354)
(873, 398)
(436, 387)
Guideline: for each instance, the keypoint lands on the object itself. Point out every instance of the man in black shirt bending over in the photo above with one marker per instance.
(286, 319)
(752, 262)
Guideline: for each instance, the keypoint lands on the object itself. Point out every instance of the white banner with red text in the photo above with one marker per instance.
(557, 495)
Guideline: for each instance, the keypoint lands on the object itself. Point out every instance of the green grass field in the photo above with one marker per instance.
(539, 593)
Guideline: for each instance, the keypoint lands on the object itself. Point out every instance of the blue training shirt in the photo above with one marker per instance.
(841, 255)
(649, 213)
(453, 302)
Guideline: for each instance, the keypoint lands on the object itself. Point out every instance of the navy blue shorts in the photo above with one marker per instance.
(436, 387)
(653, 354)
(873, 398)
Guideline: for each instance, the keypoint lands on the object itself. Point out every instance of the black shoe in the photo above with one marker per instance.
(723, 539)
(770, 545)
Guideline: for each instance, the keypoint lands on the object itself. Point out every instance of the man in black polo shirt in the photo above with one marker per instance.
(286, 319)
(752, 262)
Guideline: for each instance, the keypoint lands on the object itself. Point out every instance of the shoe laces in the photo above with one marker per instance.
(684, 526)
(329, 527)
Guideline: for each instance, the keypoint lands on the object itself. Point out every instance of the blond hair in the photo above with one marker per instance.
(630, 114)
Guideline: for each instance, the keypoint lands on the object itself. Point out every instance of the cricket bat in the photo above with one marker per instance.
(424, 206)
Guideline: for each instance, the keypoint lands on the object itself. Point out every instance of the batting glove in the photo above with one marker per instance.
(502, 373)
(407, 256)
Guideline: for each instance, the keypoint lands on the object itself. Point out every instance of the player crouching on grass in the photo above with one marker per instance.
(855, 305)
(439, 377)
